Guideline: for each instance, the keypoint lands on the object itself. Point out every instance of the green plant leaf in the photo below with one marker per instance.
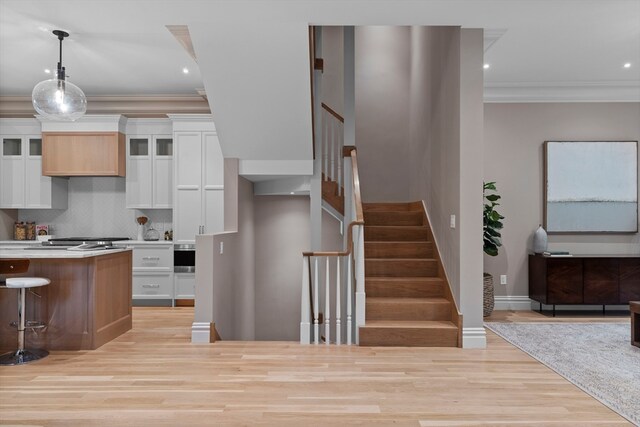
(492, 197)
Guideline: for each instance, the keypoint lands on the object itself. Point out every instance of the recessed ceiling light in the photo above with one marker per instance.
(44, 29)
(185, 70)
(47, 71)
(627, 65)
(486, 66)
(292, 193)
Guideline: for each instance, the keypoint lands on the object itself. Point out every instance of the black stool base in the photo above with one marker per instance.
(20, 357)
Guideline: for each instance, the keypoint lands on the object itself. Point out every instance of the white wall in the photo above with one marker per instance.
(514, 135)
(97, 207)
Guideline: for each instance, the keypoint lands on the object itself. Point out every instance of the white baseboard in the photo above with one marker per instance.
(200, 332)
(474, 338)
(512, 302)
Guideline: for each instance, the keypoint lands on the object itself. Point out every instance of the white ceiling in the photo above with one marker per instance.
(120, 47)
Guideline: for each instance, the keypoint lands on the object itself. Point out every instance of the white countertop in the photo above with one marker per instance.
(54, 253)
(143, 242)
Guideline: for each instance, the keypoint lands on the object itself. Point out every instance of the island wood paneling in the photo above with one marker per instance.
(87, 303)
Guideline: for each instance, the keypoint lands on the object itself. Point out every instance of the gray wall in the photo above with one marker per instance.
(514, 134)
(282, 233)
(333, 74)
(445, 152)
(7, 218)
(382, 64)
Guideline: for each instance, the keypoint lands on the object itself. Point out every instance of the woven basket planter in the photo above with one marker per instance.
(488, 300)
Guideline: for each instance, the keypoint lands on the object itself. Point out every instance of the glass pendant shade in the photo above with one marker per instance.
(58, 99)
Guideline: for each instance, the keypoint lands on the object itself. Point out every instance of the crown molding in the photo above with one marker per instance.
(491, 36)
(603, 91)
(127, 105)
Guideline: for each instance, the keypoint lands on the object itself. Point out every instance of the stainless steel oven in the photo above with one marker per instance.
(184, 258)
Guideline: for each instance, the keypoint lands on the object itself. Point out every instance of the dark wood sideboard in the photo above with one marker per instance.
(584, 279)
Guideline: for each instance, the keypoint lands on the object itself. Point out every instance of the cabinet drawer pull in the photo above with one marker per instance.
(151, 286)
(155, 258)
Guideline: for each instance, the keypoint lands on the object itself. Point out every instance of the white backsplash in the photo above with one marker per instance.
(97, 209)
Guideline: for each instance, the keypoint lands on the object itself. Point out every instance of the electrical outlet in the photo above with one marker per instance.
(452, 221)
(221, 247)
(503, 279)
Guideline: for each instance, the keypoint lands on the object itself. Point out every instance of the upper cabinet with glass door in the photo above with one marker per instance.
(149, 182)
(22, 185)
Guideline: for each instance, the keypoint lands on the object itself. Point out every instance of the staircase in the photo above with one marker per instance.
(408, 301)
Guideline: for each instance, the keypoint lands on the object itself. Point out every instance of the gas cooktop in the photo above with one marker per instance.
(75, 241)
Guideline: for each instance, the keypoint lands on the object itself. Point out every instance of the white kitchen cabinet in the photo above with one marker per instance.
(22, 185)
(149, 181)
(149, 171)
(199, 179)
(152, 273)
(185, 287)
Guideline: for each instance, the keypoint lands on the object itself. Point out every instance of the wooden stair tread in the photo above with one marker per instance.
(400, 259)
(408, 300)
(440, 324)
(426, 279)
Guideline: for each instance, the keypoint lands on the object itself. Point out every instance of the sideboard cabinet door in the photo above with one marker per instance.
(564, 281)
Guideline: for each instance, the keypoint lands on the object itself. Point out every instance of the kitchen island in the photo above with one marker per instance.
(87, 304)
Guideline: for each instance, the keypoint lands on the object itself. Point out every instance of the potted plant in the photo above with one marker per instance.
(491, 236)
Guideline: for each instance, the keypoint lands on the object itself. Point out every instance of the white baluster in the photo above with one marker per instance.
(316, 327)
(338, 307)
(339, 157)
(305, 305)
(349, 290)
(325, 144)
(332, 145)
(327, 306)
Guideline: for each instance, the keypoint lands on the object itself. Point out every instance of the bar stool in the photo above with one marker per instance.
(15, 266)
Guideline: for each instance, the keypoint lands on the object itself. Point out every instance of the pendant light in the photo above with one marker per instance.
(56, 98)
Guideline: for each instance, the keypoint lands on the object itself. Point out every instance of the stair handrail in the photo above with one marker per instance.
(359, 220)
(332, 112)
(354, 266)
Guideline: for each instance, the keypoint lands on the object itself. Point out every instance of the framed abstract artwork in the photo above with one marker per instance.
(591, 186)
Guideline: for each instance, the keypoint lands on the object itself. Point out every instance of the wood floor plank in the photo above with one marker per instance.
(153, 376)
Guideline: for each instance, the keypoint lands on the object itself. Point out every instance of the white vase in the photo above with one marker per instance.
(140, 232)
(540, 240)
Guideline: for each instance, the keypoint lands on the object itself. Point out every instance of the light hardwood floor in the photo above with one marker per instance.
(153, 376)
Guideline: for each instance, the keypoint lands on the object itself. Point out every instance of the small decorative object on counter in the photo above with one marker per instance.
(31, 230)
(170, 234)
(19, 231)
(42, 229)
(141, 220)
(166, 235)
(540, 240)
(152, 234)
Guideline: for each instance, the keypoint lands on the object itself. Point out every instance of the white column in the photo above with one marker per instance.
(315, 193)
(349, 86)
(338, 307)
(305, 305)
(360, 293)
(349, 291)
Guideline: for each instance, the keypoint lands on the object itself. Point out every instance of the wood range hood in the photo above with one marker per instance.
(94, 145)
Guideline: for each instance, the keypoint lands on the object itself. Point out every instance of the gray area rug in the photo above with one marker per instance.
(597, 357)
